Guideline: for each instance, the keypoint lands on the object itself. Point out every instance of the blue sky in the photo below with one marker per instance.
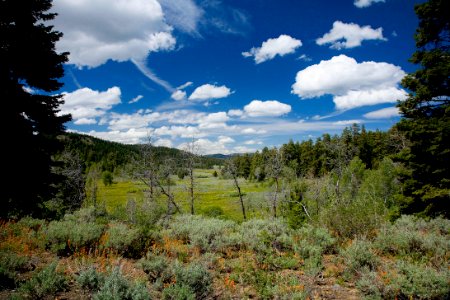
(236, 75)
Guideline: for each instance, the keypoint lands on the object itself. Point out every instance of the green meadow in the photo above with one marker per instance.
(211, 194)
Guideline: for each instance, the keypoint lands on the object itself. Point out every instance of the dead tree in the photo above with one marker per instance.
(231, 170)
(274, 170)
(164, 182)
(191, 151)
(93, 177)
(156, 176)
(146, 168)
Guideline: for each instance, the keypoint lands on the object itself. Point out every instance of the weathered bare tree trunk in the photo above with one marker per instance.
(231, 169)
(275, 170)
(156, 176)
(241, 199)
(191, 151)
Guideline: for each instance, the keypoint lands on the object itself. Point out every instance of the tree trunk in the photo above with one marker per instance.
(236, 183)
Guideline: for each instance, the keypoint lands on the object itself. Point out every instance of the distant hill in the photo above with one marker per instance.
(111, 155)
(219, 156)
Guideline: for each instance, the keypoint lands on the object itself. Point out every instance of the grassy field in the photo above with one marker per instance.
(210, 192)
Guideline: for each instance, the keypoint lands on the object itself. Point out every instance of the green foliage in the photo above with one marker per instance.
(154, 266)
(10, 264)
(107, 178)
(362, 200)
(416, 239)
(196, 277)
(178, 292)
(311, 243)
(43, 283)
(90, 279)
(416, 281)
(181, 173)
(73, 232)
(426, 114)
(123, 239)
(293, 211)
(360, 255)
(369, 284)
(208, 234)
(116, 287)
(265, 235)
(213, 211)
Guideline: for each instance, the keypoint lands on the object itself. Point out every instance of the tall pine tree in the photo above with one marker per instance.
(426, 113)
(29, 72)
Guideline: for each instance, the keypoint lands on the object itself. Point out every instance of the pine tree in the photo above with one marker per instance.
(426, 113)
(29, 72)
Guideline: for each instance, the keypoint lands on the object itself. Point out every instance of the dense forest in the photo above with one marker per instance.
(360, 214)
(112, 156)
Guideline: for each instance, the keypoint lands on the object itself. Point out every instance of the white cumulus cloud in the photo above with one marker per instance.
(98, 30)
(85, 121)
(209, 91)
(164, 143)
(214, 120)
(87, 103)
(131, 136)
(207, 146)
(349, 35)
(368, 97)
(282, 45)
(365, 3)
(384, 113)
(235, 113)
(178, 95)
(270, 108)
(351, 83)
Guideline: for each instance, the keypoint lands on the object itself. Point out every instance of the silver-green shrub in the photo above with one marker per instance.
(265, 235)
(120, 237)
(209, 234)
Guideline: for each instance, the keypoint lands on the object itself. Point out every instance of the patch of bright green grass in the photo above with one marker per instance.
(210, 191)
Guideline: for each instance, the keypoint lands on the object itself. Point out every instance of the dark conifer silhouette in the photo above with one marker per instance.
(29, 72)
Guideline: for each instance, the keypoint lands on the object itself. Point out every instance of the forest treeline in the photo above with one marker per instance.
(112, 156)
(327, 153)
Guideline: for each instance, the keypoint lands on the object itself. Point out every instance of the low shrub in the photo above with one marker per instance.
(116, 287)
(90, 279)
(10, 264)
(154, 266)
(208, 234)
(43, 283)
(360, 255)
(196, 277)
(122, 239)
(416, 239)
(69, 235)
(178, 292)
(31, 223)
(213, 211)
(369, 284)
(414, 281)
(265, 235)
(311, 243)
